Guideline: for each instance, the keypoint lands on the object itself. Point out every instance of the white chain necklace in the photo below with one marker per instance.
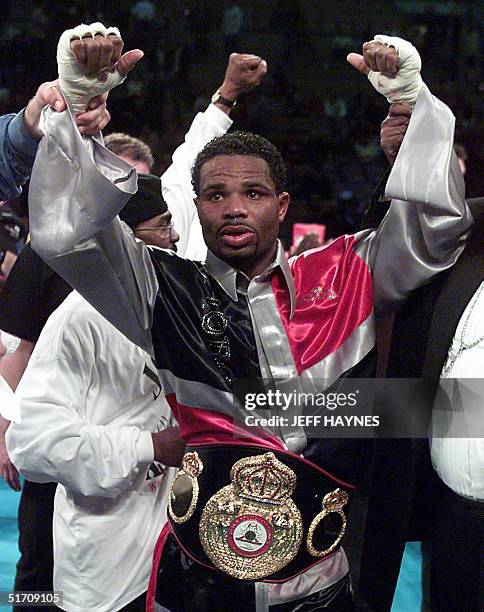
(463, 346)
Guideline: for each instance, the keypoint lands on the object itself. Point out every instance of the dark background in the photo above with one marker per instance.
(323, 114)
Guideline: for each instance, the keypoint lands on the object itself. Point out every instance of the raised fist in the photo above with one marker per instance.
(90, 63)
(392, 66)
(244, 73)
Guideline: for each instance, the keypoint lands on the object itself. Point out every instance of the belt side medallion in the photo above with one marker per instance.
(333, 503)
(252, 528)
(184, 490)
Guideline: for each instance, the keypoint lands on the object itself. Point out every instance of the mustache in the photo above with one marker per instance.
(236, 223)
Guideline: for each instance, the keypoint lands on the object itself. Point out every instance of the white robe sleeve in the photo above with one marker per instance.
(58, 439)
(176, 182)
(8, 402)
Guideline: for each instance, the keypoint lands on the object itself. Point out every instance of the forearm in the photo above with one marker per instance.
(58, 446)
(77, 188)
(426, 226)
(75, 178)
(4, 425)
(423, 171)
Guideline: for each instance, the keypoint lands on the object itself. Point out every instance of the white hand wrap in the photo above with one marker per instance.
(77, 86)
(407, 83)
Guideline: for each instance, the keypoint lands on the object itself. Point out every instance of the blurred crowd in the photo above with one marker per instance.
(308, 105)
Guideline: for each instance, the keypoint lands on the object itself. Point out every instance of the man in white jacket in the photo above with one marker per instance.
(93, 403)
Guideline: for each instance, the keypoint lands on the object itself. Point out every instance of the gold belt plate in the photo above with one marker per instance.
(251, 528)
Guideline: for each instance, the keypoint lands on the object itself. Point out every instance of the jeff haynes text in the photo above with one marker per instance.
(313, 420)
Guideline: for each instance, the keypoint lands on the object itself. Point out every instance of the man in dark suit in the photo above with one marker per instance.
(407, 499)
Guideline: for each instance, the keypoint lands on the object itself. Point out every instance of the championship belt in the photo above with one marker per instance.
(254, 527)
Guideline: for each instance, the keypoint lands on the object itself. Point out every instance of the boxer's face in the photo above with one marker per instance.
(240, 211)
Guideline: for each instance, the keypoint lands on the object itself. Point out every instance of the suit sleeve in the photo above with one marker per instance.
(17, 153)
(176, 182)
(426, 226)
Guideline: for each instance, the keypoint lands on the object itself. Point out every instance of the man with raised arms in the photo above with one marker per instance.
(247, 526)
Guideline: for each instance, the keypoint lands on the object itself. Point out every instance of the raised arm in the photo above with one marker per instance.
(78, 187)
(428, 220)
(244, 73)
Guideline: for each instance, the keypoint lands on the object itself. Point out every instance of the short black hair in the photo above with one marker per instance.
(242, 143)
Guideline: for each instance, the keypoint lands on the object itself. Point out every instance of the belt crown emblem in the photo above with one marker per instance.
(263, 478)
